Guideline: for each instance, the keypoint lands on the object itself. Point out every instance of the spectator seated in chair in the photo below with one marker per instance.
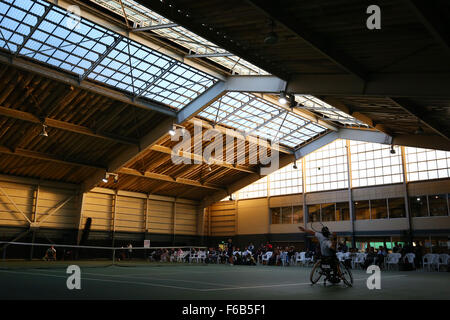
(370, 259)
(50, 254)
(381, 255)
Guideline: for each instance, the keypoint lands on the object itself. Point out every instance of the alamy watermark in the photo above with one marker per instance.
(74, 280)
(374, 20)
(374, 280)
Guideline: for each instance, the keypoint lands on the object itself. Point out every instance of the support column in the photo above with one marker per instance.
(209, 221)
(405, 194)
(236, 217)
(114, 211)
(146, 217)
(201, 224)
(34, 218)
(80, 221)
(350, 194)
(174, 225)
(305, 207)
(269, 227)
(33, 238)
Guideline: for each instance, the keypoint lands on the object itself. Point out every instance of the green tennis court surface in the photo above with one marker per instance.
(184, 281)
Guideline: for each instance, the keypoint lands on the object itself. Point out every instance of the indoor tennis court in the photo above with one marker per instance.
(217, 149)
(216, 282)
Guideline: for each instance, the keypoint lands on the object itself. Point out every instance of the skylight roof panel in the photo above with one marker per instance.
(144, 16)
(44, 32)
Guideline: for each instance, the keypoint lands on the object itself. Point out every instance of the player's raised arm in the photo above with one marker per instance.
(307, 231)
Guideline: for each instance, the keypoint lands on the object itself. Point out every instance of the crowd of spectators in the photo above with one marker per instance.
(287, 255)
(229, 254)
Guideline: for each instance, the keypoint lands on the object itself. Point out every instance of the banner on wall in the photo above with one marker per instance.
(146, 243)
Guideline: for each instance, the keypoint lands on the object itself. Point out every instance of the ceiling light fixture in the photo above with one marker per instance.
(282, 98)
(271, 38)
(109, 174)
(392, 149)
(419, 131)
(174, 127)
(43, 132)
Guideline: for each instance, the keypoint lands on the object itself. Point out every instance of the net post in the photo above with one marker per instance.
(114, 256)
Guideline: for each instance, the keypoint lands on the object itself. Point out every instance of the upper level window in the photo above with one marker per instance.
(374, 164)
(286, 181)
(326, 168)
(426, 164)
(255, 190)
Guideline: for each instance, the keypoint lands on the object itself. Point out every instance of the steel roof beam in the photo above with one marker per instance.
(433, 20)
(48, 157)
(201, 102)
(167, 178)
(66, 126)
(284, 160)
(69, 79)
(272, 10)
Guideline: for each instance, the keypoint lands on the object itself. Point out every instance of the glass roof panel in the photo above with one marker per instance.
(143, 17)
(254, 116)
(40, 30)
(328, 112)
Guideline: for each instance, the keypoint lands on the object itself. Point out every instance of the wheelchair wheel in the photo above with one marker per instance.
(316, 273)
(345, 274)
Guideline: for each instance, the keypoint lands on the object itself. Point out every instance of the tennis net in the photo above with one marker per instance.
(24, 255)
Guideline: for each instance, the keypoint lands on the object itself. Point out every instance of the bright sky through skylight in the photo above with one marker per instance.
(45, 32)
(253, 115)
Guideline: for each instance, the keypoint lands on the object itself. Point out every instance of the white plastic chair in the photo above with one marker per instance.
(430, 260)
(359, 259)
(182, 256)
(201, 256)
(303, 259)
(292, 261)
(297, 258)
(283, 257)
(443, 260)
(266, 256)
(409, 257)
(393, 259)
(347, 256)
(193, 256)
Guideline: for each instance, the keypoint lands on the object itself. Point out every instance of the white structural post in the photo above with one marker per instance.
(350, 194)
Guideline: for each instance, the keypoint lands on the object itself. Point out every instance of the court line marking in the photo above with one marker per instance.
(182, 271)
(145, 276)
(285, 285)
(187, 288)
(106, 280)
